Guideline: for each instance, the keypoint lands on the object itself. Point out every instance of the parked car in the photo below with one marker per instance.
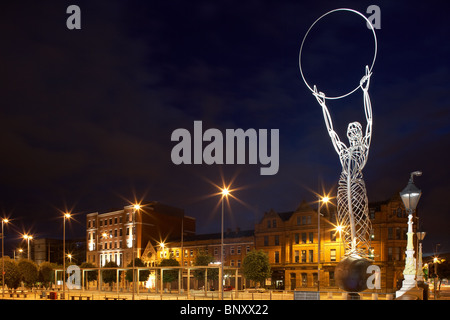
(228, 288)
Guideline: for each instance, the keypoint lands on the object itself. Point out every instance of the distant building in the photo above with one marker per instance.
(51, 250)
(110, 235)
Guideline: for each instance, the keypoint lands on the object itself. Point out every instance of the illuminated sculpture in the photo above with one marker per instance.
(352, 203)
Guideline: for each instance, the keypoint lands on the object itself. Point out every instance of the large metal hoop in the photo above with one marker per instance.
(304, 38)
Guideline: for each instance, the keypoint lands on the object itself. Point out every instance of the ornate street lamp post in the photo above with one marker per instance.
(410, 197)
(420, 237)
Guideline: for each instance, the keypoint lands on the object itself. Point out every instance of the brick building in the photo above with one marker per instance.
(109, 235)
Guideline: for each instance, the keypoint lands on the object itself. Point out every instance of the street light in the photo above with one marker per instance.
(410, 197)
(28, 238)
(66, 217)
(4, 220)
(324, 200)
(225, 193)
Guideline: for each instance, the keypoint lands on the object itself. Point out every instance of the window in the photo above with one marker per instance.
(303, 256)
(311, 237)
(303, 237)
(239, 250)
(274, 223)
(266, 241)
(404, 233)
(390, 234)
(308, 219)
(239, 263)
(331, 278)
(247, 249)
(390, 254)
(332, 236)
(304, 280)
(115, 232)
(277, 240)
(299, 220)
(232, 263)
(397, 234)
(268, 223)
(304, 220)
(333, 255)
(115, 220)
(296, 256)
(296, 238)
(372, 213)
(396, 254)
(232, 250)
(277, 256)
(216, 251)
(311, 255)
(177, 253)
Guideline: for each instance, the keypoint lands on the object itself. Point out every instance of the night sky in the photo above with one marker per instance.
(87, 115)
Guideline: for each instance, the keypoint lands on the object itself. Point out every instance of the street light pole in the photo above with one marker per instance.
(420, 237)
(410, 196)
(66, 216)
(225, 193)
(324, 200)
(134, 239)
(4, 220)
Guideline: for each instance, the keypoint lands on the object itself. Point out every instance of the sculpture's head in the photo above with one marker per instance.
(354, 132)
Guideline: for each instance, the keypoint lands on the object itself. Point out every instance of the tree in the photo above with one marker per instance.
(443, 270)
(143, 275)
(29, 272)
(169, 275)
(204, 259)
(46, 273)
(109, 276)
(90, 275)
(12, 273)
(256, 266)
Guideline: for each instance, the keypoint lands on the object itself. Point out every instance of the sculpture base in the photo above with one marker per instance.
(409, 284)
(351, 273)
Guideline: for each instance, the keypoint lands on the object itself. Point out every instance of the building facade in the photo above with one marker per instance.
(290, 240)
(114, 235)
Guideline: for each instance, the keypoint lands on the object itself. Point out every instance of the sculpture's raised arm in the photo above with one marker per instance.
(364, 84)
(337, 143)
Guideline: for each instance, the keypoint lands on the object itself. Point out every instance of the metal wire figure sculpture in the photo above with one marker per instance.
(352, 203)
